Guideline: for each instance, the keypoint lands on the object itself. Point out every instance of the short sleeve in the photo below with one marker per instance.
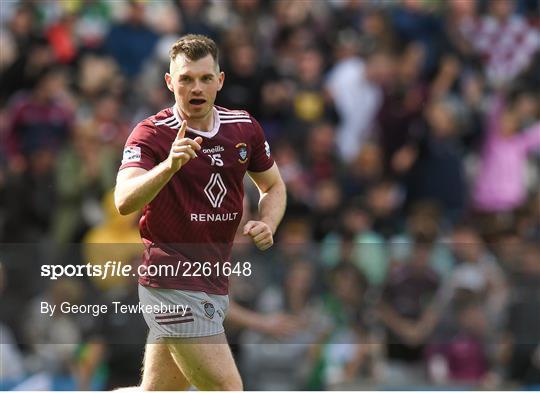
(261, 157)
(138, 152)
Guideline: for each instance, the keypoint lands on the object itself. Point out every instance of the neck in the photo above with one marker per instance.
(205, 123)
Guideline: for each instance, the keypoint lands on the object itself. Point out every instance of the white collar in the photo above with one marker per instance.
(206, 134)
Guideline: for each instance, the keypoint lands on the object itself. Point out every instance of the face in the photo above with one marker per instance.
(467, 245)
(195, 84)
(299, 278)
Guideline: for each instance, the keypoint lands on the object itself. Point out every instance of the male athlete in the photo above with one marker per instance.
(185, 167)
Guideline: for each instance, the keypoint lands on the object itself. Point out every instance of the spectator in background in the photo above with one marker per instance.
(311, 105)
(66, 348)
(30, 54)
(384, 200)
(505, 41)
(108, 121)
(459, 16)
(12, 370)
(364, 172)
(477, 272)
(319, 158)
(349, 15)
(461, 356)
(41, 119)
(295, 177)
(131, 42)
(325, 209)
(62, 38)
(268, 360)
(377, 31)
(194, 17)
(85, 172)
(97, 76)
(294, 241)
(349, 349)
(116, 238)
(423, 222)
(408, 310)
(355, 242)
(499, 185)
(414, 21)
(402, 104)
(93, 22)
(528, 217)
(29, 199)
(242, 90)
(434, 164)
(523, 326)
(349, 82)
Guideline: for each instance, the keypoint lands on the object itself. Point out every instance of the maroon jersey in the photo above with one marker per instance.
(195, 216)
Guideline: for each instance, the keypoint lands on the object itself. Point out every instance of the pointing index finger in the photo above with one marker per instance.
(182, 130)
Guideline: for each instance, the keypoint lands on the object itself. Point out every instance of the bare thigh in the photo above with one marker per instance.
(206, 362)
(160, 371)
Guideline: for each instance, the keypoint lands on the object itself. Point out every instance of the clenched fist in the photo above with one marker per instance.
(261, 234)
(183, 149)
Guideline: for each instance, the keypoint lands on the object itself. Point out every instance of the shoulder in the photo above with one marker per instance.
(241, 121)
(229, 116)
(164, 118)
(149, 126)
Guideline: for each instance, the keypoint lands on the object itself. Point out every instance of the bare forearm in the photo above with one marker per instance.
(132, 194)
(272, 205)
(241, 316)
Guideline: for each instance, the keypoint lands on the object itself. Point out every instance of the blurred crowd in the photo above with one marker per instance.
(407, 132)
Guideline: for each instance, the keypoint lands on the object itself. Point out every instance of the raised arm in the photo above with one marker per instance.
(271, 207)
(136, 187)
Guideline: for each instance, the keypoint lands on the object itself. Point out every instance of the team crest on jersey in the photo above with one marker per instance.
(131, 154)
(209, 309)
(242, 152)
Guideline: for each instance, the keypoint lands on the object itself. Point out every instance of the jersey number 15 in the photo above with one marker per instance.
(216, 159)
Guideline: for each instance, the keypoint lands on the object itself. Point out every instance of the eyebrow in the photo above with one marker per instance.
(191, 76)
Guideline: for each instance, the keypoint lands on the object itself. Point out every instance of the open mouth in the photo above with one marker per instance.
(197, 101)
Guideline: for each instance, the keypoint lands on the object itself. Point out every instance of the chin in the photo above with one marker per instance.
(199, 113)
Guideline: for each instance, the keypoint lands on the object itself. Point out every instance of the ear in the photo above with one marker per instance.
(221, 79)
(168, 81)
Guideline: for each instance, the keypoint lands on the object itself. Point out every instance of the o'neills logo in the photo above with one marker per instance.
(215, 149)
(214, 217)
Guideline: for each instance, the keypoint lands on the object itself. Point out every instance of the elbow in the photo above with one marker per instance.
(123, 210)
(121, 204)
(282, 188)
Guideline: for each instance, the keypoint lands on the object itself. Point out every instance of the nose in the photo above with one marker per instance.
(197, 87)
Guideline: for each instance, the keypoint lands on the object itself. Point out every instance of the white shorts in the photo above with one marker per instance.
(180, 313)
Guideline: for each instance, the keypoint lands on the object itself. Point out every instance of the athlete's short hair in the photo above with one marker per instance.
(195, 47)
